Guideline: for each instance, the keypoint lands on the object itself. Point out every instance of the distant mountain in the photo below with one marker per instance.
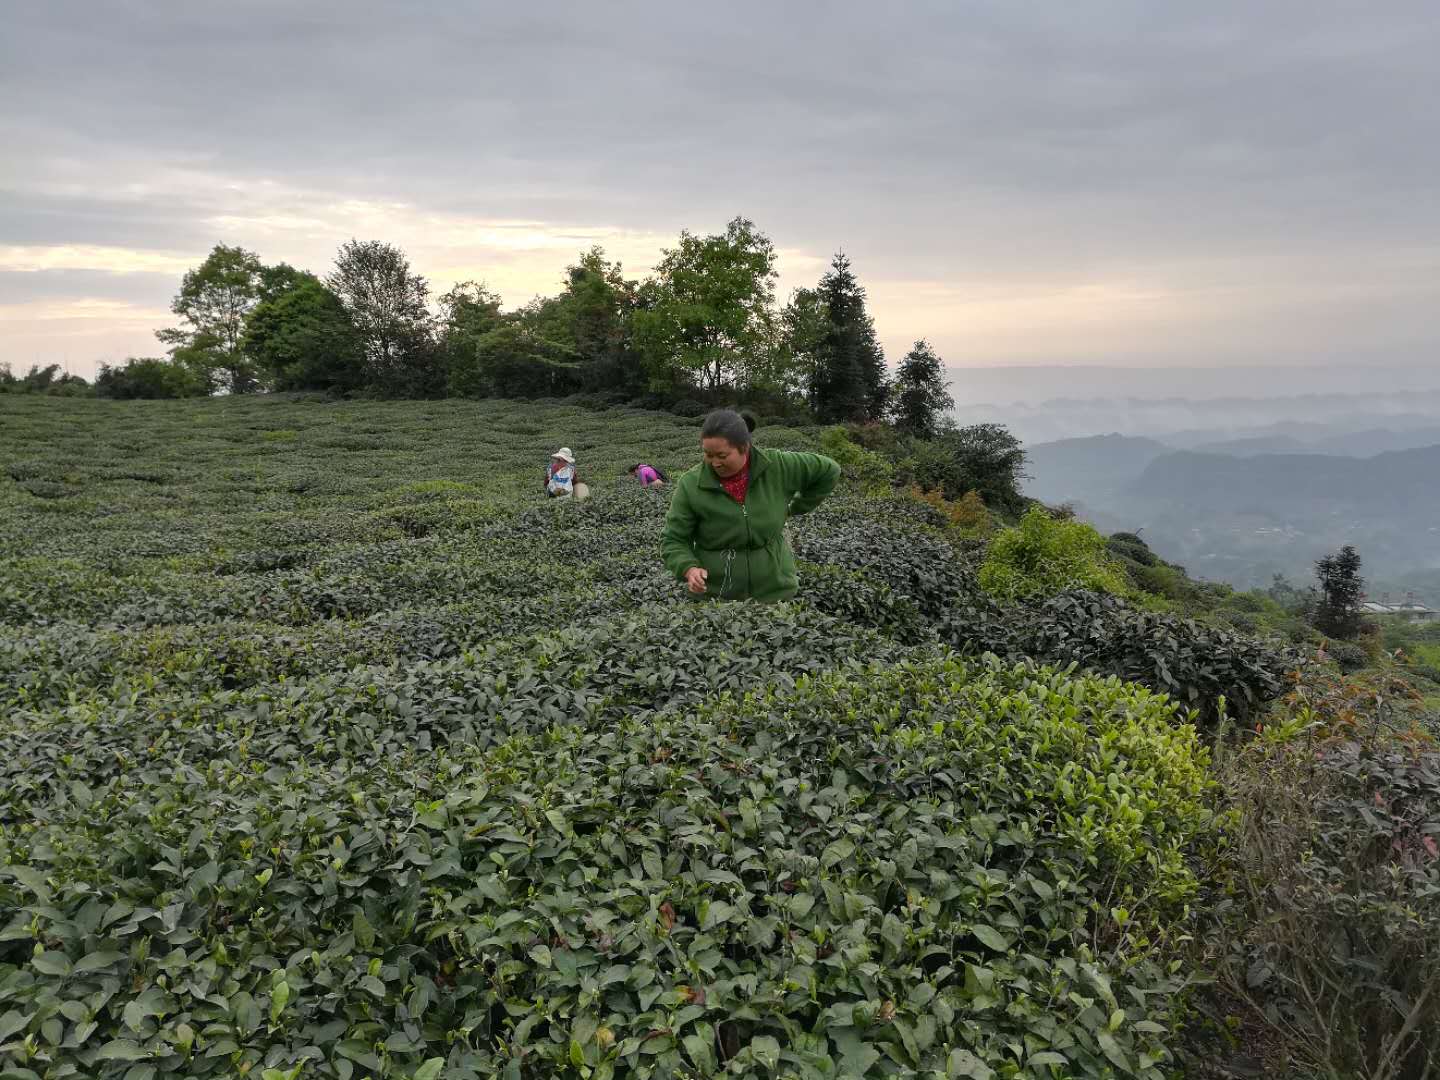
(1323, 439)
(1380, 440)
(1091, 471)
(1402, 482)
(1258, 444)
(1245, 516)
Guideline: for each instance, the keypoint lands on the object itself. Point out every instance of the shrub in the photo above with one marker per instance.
(1347, 657)
(843, 874)
(868, 468)
(1338, 889)
(147, 377)
(984, 458)
(689, 407)
(359, 714)
(1197, 664)
(1043, 557)
(967, 514)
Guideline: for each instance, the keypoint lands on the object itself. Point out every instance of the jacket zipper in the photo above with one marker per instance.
(749, 552)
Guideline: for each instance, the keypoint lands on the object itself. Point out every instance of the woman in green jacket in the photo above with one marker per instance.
(725, 532)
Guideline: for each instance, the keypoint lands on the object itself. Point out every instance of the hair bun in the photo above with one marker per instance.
(749, 419)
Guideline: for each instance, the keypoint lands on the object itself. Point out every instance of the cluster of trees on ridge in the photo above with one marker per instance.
(704, 328)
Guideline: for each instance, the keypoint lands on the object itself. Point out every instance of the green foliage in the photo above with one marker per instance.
(804, 322)
(706, 316)
(214, 301)
(591, 316)
(871, 470)
(1336, 928)
(468, 312)
(848, 378)
(331, 745)
(1337, 612)
(387, 304)
(1197, 664)
(920, 396)
(984, 458)
(1044, 556)
(49, 380)
(303, 339)
(148, 377)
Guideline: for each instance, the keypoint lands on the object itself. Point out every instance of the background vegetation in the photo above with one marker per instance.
(330, 748)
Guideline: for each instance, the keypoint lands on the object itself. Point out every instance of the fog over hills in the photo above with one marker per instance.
(1190, 407)
(1245, 519)
(1247, 485)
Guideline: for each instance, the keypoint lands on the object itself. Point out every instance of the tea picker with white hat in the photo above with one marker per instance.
(560, 477)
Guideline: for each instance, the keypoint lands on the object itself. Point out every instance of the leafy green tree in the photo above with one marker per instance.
(516, 361)
(592, 315)
(984, 458)
(468, 312)
(214, 300)
(804, 324)
(1342, 590)
(921, 398)
(149, 377)
(387, 304)
(280, 278)
(303, 339)
(707, 314)
(849, 378)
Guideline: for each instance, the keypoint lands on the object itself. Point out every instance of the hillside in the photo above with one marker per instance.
(332, 737)
(1400, 482)
(1090, 471)
(1249, 513)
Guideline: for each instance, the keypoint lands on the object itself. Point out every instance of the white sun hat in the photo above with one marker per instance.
(565, 455)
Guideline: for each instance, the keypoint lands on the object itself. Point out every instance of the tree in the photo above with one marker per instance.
(849, 379)
(921, 397)
(804, 324)
(149, 377)
(468, 312)
(214, 300)
(515, 360)
(49, 380)
(593, 315)
(707, 314)
(983, 458)
(303, 339)
(387, 304)
(1337, 612)
(281, 278)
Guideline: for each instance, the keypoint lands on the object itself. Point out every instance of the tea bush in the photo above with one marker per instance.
(329, 747)
(880, 870)
(1044, 555)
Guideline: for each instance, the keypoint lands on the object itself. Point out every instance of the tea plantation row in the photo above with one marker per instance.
(330, 749)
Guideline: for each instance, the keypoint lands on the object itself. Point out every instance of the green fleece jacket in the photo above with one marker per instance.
(743, 545)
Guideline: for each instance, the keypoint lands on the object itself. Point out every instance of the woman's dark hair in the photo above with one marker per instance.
(727, 424)
(632, 468)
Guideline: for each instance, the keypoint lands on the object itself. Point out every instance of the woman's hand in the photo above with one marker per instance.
(695, 579)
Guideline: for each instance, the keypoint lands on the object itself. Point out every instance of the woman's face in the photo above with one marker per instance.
(557, 463)
(723, 456)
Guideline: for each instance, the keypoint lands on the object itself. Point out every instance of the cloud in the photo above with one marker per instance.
(1121, 180)
(34, 258)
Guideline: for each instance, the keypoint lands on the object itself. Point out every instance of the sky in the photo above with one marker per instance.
(1136, 184)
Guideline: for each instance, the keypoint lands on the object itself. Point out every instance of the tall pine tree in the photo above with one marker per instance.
(1342, 591)
(921, 397)
(849, 378)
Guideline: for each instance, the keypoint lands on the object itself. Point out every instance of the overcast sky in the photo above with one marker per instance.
(1156, 184)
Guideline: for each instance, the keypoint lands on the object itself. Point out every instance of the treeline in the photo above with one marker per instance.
(704, 328)
(43, 380)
